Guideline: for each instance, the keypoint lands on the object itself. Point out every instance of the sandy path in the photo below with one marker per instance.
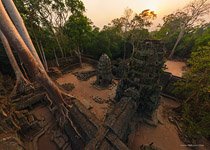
(175, 67)
(84, 91)
(165, 135)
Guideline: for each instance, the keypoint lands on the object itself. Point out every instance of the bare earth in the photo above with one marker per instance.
(175, 67)
(85, 91)
(164, 136)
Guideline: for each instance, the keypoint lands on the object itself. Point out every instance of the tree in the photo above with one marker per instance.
(50, 16)
(196, 89)
(130, 23)
(18, 22)
(78, 29)
(204, 37)
(35, 69)
(91, 47)
(21, 81)
(188, 17)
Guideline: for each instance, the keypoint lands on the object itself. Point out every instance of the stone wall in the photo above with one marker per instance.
(167, 82)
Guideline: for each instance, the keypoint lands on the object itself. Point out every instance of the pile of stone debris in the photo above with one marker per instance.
(68, 86)
(84, 76)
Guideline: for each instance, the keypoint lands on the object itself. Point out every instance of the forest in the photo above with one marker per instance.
(40, 41)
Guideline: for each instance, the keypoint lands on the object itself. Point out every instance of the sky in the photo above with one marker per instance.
(101, 12)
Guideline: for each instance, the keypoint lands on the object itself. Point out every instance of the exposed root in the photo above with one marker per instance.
(21, 87)
(15, 140)
(63, 116)
(36, 139)
(68, 98)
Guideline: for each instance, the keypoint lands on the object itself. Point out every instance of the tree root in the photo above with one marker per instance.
(63, 117)
(16, 140)
(36, 139)
(22, 86)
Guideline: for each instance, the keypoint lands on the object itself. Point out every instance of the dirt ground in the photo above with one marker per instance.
(164, 136)
(175, 67)
(85, 92)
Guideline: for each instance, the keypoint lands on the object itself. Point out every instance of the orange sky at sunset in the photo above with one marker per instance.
(101, 12)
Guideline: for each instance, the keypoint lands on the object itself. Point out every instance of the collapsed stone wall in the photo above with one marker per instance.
(167, 82)
(16, 116)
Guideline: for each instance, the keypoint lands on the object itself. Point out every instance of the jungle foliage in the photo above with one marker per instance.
(61, 29)
(196, 91)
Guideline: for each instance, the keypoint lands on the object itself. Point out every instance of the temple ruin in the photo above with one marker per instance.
(35, 119)
(104, 71)
(143, 77)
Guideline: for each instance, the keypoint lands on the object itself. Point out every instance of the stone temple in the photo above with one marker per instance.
(104, 71)
(143, 77)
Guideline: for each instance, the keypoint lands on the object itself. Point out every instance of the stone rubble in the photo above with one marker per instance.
(84, 76)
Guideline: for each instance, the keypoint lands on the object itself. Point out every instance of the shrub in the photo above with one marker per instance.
(196, 89)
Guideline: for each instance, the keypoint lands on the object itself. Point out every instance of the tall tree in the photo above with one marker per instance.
(188, 17)
(49, 15)
(21, 81)
(132, 22)
(78, 29)
(195, 89)
(39, 74)
(18, 22)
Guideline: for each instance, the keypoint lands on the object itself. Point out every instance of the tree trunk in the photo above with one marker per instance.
(59, 45)
(40, 51)
(80, 60)
(78, 53)
(39, 74)
(21, 81)
(20, 26)
(38, 45)
(49, 24)
(181, 34)
(133, 48)
(56, 58)
(23, 69)
(44, 57)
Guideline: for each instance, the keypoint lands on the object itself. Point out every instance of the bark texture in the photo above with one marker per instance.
(21, 81)
(78, 53)
(20, 26)
(39, 74)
